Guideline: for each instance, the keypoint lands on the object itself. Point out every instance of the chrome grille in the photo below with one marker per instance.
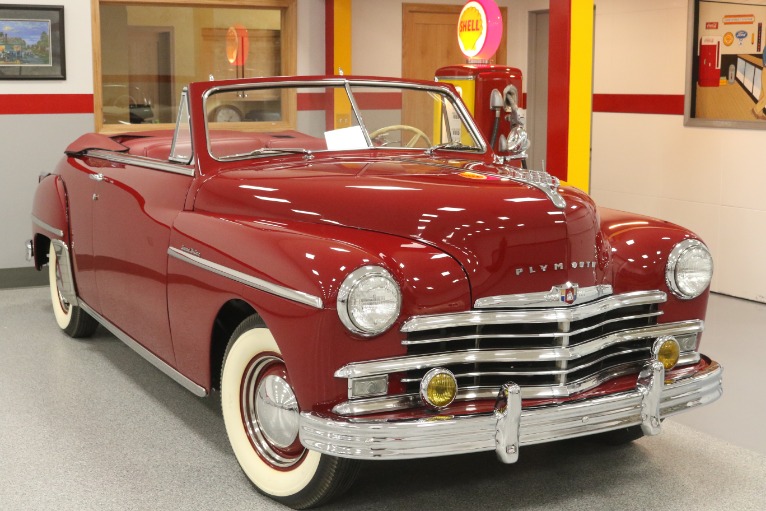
(550, 352)
(613, 360)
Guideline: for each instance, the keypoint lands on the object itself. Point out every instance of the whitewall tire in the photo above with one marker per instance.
(262, 416)
(74, 321)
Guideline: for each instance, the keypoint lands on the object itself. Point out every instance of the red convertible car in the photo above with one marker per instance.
(361, 277)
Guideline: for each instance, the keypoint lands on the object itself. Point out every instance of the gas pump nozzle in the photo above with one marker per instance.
(496, 103)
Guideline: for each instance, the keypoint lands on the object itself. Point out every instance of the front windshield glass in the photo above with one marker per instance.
(252, 122)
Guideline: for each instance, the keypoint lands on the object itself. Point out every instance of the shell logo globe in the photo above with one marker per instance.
(479, 29)
(470, 28)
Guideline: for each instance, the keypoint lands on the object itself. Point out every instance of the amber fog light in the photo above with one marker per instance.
(438, 388)
(666, 350)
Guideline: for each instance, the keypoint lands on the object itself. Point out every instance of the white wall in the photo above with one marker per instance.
(709, 180)
(31, 144)
(376, 33)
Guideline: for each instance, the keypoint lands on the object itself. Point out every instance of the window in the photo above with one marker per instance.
(147, 52)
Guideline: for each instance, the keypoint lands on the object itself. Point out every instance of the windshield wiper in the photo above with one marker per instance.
(452, 146)
(270, 150)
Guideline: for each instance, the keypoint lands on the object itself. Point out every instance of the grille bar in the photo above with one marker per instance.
(506, 317)
(551, 354)
(552, 335)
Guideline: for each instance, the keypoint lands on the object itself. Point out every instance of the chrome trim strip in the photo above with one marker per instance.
(575, 313)
(47, 227)
(404, 401)
(445, 435)
(141, 161)
(542, 299)
(248, 280)
(554, 336)
(153, 359)
(552, 354)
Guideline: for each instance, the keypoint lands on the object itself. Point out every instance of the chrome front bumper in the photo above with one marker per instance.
(510, 426)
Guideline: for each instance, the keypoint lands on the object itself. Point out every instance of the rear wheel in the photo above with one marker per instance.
(262, 419)
(74, 321)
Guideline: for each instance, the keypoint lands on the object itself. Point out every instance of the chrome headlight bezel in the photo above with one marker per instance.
(677, 260)
(353, 284)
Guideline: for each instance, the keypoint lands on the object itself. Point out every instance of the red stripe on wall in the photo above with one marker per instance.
(558, 87)
(667, 104)
(379, 100)
(312, 101)
(365, 100)
(21, 104)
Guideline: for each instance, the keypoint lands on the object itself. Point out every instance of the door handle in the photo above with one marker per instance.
(96, 177)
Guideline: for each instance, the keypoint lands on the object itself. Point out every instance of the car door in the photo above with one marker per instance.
(134, 209)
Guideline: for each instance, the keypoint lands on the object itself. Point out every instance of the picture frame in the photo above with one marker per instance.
(725, 61)
(32, 42)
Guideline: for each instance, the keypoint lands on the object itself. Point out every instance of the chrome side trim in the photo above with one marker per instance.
(552, 354)
(150, 357)
(141, 161)
(403, 401)
(66, 284)
(47, 227)
(575, 313)
(248, 280)
(542, 299)
(445, 435)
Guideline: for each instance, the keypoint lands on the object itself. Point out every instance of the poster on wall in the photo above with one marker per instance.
(726, 64)
(32, 42)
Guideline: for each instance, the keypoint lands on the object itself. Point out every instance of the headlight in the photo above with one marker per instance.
(689, 270)
(369, 301)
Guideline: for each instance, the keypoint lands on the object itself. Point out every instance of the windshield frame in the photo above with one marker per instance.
(347, 84)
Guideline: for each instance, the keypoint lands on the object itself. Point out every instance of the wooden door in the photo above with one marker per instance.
(429, 41)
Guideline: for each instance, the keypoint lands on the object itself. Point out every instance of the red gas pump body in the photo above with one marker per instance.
(476, 82)
(710, 61)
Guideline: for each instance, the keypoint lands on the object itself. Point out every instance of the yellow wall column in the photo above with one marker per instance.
(580, 94)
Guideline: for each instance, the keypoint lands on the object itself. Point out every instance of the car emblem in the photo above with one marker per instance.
(567, 292)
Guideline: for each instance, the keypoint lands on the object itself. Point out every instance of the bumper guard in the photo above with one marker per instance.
(510, 426)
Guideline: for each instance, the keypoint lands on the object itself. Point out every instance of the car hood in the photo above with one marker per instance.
(508, 236)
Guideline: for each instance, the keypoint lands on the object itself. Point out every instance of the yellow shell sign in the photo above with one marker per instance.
(470, 29)
(479, 29)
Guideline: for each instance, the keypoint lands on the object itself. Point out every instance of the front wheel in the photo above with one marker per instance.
(262, 420)
(74, 321)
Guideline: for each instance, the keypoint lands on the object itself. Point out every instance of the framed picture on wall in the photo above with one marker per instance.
(32, 42)
(726, 64)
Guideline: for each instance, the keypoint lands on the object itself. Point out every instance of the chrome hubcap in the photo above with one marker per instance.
(270, 412)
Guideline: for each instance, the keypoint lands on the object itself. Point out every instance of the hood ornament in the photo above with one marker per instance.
(540, 179)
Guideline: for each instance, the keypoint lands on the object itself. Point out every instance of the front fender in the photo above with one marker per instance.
(312, 260)
(639, 247)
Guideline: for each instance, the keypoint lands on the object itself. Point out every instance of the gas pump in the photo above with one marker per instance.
(490, 92)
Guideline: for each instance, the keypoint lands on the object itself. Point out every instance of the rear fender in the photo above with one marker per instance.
(49, 217)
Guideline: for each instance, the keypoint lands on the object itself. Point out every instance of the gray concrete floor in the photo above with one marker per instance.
(89, 425)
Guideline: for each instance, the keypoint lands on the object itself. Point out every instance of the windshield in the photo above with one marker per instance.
(255, 121)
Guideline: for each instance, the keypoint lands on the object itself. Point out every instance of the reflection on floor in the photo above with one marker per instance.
(727, 102)
(89, 425)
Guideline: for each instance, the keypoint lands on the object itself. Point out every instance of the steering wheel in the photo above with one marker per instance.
(124, 101)
(403, 127)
